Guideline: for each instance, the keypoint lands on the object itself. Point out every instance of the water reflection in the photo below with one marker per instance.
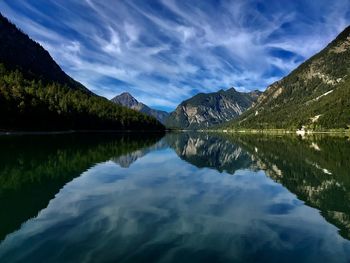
(34, 168)
(208, 150)
(218, 202)
(316, 168)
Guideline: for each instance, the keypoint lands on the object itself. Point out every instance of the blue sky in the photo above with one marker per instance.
(165, 51)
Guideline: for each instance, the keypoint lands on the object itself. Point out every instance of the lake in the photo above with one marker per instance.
(181, 197)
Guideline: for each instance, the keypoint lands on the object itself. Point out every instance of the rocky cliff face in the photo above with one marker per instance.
(127, 100)
(207, 110)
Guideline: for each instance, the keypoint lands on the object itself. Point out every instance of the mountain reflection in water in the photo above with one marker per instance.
(186, 197)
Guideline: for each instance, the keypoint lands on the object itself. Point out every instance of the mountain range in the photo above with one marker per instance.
(36, 94)
(206, 110)
(315, 96)
(127, 100)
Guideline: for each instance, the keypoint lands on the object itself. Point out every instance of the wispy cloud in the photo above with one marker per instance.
(165, 51)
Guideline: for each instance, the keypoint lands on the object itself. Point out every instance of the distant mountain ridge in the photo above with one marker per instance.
(314, 96)
(206, 110)
(127, 100)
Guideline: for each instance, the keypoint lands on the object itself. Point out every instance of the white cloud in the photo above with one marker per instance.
(164, 55)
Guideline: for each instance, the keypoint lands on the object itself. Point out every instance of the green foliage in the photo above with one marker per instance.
(32, 105)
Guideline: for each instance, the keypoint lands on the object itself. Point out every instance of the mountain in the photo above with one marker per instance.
(19, 52)
(36, 94)
(208, 109)
(316, 95)
(127, 100)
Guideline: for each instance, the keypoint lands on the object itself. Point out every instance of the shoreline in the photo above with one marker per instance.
(226, 131)
(284, 132)
(4, 133)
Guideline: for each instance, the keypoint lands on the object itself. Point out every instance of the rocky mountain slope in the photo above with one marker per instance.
(127, 100)
(206, 110)
(316, 95)
(37, 95)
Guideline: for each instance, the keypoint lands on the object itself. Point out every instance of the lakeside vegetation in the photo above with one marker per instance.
(281, 131)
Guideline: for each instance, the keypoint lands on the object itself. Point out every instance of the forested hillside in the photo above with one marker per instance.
(35, 94)
(316, 95)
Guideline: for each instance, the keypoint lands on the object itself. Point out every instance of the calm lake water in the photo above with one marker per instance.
(179, 198)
